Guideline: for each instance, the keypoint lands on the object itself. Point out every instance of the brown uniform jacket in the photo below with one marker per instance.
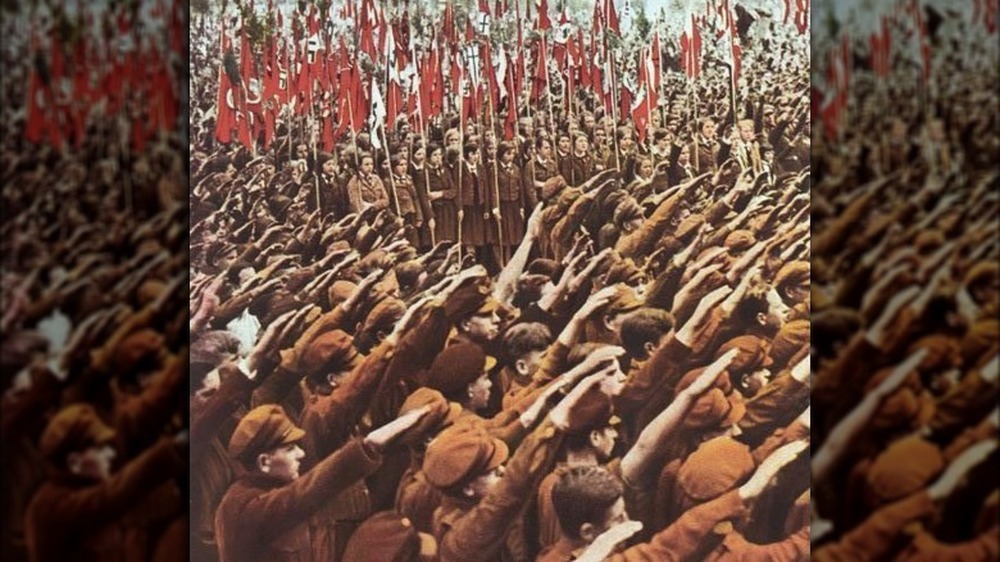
(872, 539)
(68, 519)
(364, 192)
(681, 541)
(736, 548)
(580, 169)
(470, 533)
(261, 519)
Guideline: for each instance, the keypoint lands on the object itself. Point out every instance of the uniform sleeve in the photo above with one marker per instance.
(792, 548)
(95, 506)
(275, 511)
(638, 242)
(776, 405)
(927, 548)
(872, 538)
(139, 416)
(479, 535)
(340, 413)
(683, 539)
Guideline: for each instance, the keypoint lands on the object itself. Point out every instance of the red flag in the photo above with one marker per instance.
(611, 15)
(367, 28)
(225, 117)
(802, 16)
(448, 26)
(543, 16)
(541, 77)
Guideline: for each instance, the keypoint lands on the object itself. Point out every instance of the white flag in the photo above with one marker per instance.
(377, 117)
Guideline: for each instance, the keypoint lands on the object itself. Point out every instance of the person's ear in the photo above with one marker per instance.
(74, 461)
(264, 463)
(608, 323)
(468, 491)
(464, 325)
(649, 347)
(521, 366)
(594, 438)
(762, 318)
(588, 532)
(380, 335)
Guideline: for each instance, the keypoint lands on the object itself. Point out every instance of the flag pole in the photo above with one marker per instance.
(496, 182)
(614, 106)
(461, 159)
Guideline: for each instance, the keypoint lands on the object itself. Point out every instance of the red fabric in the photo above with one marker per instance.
(543, 16)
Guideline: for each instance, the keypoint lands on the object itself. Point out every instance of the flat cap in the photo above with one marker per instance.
(793, 273)
(263, 429)
(456, 367)
(388, 535)
(460, 453)
(332, 351)
(716, 466)
(74, 428)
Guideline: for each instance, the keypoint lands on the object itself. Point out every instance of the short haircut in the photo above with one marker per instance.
(583, 494)
(522, 339)
(646, 324)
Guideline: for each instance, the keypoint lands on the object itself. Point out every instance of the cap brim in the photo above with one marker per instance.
(500, 454)
(428, 547)
(293, 435)
(488, 307)
(490, 363)
(103, 434)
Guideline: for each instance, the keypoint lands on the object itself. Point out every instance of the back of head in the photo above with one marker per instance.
(583, 494)
(645, 325)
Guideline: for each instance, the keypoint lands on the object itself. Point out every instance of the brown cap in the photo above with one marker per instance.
(793, 273)
(739, 240)
(149, 290)
(716, 466)
(981, 272)
(332, 351)
(751, 354)
(442, 413)
(942, 352)
(74, 428)
(458, 366)
(460, 453)
(489, 306)
(593, 411)
(389, 536)
(790, 339)
(262, 429)
(627, 210)
(623, 271)
(928, 241)
(340, 290)
(624, 300)
(384, 315)
(905, 467)
(134, 348)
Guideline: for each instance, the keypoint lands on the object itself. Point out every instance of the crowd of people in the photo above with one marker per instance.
(566, 345)
(904, 326)
(95, 336)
